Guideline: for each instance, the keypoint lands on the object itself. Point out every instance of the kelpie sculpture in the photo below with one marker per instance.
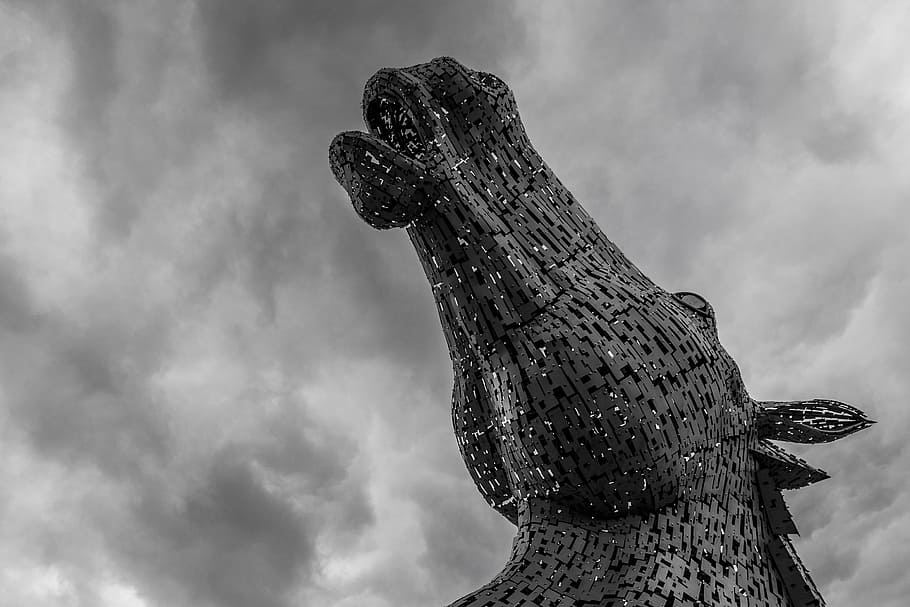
(593, 409)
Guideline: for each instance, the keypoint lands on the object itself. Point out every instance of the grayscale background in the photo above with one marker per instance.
(218, 387)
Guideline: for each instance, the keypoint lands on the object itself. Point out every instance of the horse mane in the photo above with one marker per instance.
(812, 421)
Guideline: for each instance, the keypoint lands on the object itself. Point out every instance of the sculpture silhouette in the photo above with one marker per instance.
(593, 409)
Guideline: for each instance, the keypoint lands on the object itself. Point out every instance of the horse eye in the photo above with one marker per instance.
(695, 302)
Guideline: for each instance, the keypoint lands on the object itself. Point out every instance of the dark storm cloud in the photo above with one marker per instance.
(17, 313)
(91, 29)
(241, 534)
(229, 543)
(249, 45)
(839, 138)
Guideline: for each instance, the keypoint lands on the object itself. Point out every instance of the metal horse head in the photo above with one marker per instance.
(580, 385)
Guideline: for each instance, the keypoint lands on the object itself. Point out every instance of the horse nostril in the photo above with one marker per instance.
(390, 121)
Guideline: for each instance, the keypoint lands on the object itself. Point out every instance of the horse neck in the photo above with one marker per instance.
(710, 547)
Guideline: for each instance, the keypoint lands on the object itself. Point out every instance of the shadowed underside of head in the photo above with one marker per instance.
(579, 383)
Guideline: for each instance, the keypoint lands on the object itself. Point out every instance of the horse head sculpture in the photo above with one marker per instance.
(593, 409)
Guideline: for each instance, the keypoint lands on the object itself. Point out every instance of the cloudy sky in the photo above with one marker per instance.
(218, 387)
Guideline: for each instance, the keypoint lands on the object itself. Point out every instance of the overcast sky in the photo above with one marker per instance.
(218, 387)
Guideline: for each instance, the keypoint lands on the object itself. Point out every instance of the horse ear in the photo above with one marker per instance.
(809, 421)
(778, 470)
